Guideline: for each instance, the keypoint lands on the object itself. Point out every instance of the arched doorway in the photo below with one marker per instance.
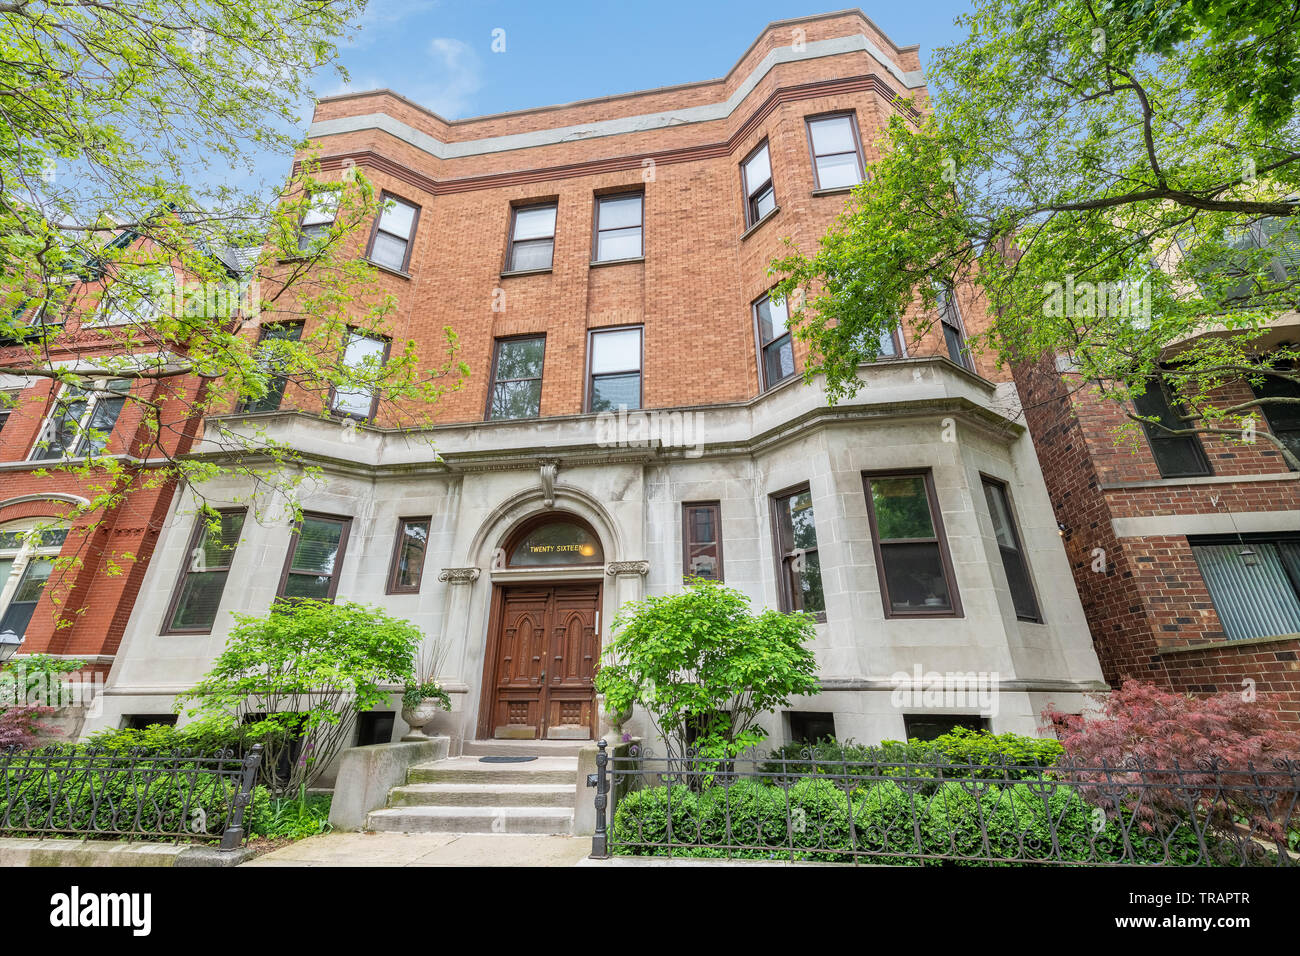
(544, 632)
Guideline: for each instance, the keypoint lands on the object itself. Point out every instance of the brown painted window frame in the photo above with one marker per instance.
(596, 230)
(764, 384)
(346, 521)
(1005, 487)
(410, 240)
(374, 399)
(393, 586)
(751, 219)
(1193, 441)
(591, 379)
(492, 377)
(515, 209)
(301, 325)
(304, 253)
(196, 535)
(852, 117)
(957, 323)
(941, 538)
(716, 507)
(529, 525)
(784, 586)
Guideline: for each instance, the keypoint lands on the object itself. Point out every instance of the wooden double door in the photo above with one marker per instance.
(543, 647)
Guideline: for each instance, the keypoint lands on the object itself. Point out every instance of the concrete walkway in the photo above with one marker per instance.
(429, 849)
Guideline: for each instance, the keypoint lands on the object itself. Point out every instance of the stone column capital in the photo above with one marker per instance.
(459, 575)
(615, 568)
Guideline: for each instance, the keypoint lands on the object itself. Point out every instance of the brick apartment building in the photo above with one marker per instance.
(634, 416)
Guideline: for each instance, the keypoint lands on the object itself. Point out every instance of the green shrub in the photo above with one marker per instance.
(642, 817)
(883, 824)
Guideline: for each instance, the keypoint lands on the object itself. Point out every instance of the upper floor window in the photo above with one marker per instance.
(517, 377)
(619, 227)
(532, 238)
(756, 176)
(916, 576)
(954, 331)
(390, 244)
(267, 337)
(408, 555)
(775, 345)
(208, 558)
(82, 420)
(135, 295)
(702, 540)
(1013, 553)
(1177, 456)
(8, 400)
(615, 379)
(364, 354)
(321, 211)
(27, 559)
(1283, 417)
(837, 160)
(315, 559)
(800, 579)
(1254, 582)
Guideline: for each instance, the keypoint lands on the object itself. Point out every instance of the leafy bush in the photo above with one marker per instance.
(22, 727)
(642, 817)
(293, 817)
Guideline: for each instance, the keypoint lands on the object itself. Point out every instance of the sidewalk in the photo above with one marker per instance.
(429, 849)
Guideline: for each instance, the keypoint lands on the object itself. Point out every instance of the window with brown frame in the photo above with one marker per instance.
(800, 578)
(702, 540)
(836, 154)
(619, 232)
(365, 354)
(322, 209)
(532, 238)
(614, 376)
(1013, 552)
(408, 555)
(954, 331)
(267, 336)
(756, 177)
(394, 234)
(916, 577)
(194, 603)
(315, 558)
(775, 345)
(517, 377)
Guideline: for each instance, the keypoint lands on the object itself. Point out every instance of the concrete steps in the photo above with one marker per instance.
(465, 795)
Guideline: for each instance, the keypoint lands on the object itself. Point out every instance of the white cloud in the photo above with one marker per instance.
(455, 76)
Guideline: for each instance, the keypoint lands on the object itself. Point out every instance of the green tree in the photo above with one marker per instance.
(300, 675)
(1117, 183)
(704, 667)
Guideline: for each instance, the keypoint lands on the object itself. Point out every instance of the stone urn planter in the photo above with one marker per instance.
(419, 715)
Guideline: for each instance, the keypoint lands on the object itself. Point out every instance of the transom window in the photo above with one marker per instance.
(615, 370)
(517, 378)
(555, 541)
(203, 576)
(364, 354)
(775, 345)
(912, 560)
(82, 420)
(618, 227)
(800, 581)
(315, 557)
(837, 161)
(756, 175)
(532, 238)
(27, 557)
(390, 245)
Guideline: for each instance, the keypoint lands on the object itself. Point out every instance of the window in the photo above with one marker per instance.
(1283, 419)
(800, 583)
(702, 540)
(408, 555)
(27, 559)
(554, 541)
(143, 721)
(390, 243)
(517, 378)
(756, 177)
(317, 219)
(82, 420)
(954, 332)
(808, 727)
(912, 560)
(934, 726)
(374, 727)
(1177, 456)
(1254, 581)
(134, 295)
(532, 238)
(203, 578)
(267, 338)
(364, 355)
(1013, 555)
(618, 227)
(775, 345)
(615, 370)
(8, 401)
(315, 557)
(1238, 271)
(837, 161)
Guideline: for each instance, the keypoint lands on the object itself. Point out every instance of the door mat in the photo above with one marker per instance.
(505, 759)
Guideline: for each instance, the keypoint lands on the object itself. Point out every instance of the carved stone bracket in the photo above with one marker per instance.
(549, 466)
(615, 568)
(458, 575)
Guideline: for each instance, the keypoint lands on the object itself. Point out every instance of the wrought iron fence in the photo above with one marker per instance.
(135, 793)
(803, 808)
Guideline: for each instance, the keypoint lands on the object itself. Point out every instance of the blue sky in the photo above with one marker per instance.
(439, 52)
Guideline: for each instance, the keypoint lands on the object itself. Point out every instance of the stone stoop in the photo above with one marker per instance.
(464, 795)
